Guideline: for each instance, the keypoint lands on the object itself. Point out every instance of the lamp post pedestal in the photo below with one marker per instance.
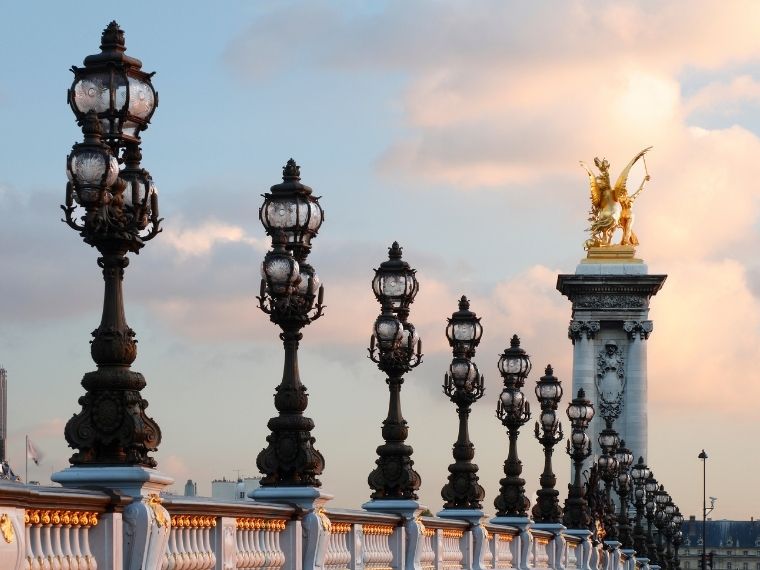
(476, 518)
(414, 531)
(314, 525)
(613, 554)
(583, 555)
(520, 548)
(144, 524)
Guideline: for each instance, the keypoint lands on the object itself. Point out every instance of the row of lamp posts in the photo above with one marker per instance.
(113, 101)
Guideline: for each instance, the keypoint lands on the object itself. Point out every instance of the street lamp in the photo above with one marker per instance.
(677, 534)
(703, 457)
(609, 441)
(291, 294)
(396, 349)
(549, 393)
(651, 489)
(514, 412)
(113, 101)
(661, 499)
(463, 384)
(580, 412)
(640, 473)
(624, 482)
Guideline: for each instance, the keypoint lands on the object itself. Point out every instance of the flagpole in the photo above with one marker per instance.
(26, 475)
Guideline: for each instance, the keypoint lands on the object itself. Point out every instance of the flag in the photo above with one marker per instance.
(32, 452)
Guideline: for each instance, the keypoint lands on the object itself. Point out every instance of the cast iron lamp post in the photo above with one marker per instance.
(514, 412)
(113, 100)
(676, 523)
(670, 511)
(608, 470)
(291, 294)
(661, 499)
(549, 393)
(396, 349)
(640, 473)
(580, 412)
(624, 482)
(651, 487)
(463, 384)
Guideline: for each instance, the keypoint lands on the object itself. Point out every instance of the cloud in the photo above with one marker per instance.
(200, 239)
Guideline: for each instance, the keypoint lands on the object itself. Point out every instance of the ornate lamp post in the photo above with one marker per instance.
(113, 100)
(651, 487)
(670, 511)
(677, 536)
(640, 473)
(396, 349)
(549, 393)
(661, 499)
(514, 412)
(291, 294)
(580, 412)
(624, 482)
(463, 385)
(608, 469)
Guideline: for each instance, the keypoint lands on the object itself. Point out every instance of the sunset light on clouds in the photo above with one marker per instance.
(455, 128)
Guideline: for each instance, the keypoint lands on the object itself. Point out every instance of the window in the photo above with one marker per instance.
(686, 565)
(745, 566)
(728, 565)
(746, 552)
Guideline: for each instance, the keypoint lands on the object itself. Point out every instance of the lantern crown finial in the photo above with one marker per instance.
(291, 171)
(464, 304)
(581, 393)
(549, 371)
(112, 38)
(514, 342)
(394, 251)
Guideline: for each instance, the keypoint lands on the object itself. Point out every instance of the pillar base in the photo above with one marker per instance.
(144, 524)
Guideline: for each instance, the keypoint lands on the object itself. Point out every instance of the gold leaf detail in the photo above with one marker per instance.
(6, 528)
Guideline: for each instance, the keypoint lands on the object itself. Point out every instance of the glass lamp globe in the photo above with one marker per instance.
(90, 166)
(548, 388)
(388, 331)
(514, 363)
(279, 269)
(112, 85)
(464, 330)
(291, 208)
(395, 283)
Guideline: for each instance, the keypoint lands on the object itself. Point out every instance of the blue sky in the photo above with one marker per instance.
(456, 131)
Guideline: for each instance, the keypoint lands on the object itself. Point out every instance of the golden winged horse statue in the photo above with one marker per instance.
(611, 207)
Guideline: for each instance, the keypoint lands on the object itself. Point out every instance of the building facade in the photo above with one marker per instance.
(735, 545)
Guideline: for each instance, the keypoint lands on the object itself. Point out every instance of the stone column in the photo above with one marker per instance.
(582, 334)
(635, 426)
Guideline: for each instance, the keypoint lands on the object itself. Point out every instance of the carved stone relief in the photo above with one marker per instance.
(610, 380)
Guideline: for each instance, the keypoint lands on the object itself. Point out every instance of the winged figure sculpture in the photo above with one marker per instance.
(611, 206)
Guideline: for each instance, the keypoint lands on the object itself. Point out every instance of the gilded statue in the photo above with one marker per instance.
(611, 207)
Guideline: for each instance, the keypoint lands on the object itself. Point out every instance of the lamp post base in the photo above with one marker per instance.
(414, 530)
(314, 525)
(479, 535)
(144, 524)
(521, 551)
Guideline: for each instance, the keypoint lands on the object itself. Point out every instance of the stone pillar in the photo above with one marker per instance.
(636, 372)
(582, 335)
(609, 330)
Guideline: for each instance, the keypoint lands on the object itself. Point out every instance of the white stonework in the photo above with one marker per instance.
(611, 307)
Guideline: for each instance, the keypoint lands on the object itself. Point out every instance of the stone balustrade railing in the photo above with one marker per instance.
(52, 528)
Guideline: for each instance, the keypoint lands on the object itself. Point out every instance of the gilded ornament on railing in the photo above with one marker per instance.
(340, 528)
(49, 517)
(542, 541)
(323, 519)
(505, 538)
(611, 206)
(377, 529)
(154, 502)
(6, 528)
(249, 523)
(193, 521)
(452, 533)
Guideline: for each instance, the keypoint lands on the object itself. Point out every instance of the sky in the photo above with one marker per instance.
(455, 128)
